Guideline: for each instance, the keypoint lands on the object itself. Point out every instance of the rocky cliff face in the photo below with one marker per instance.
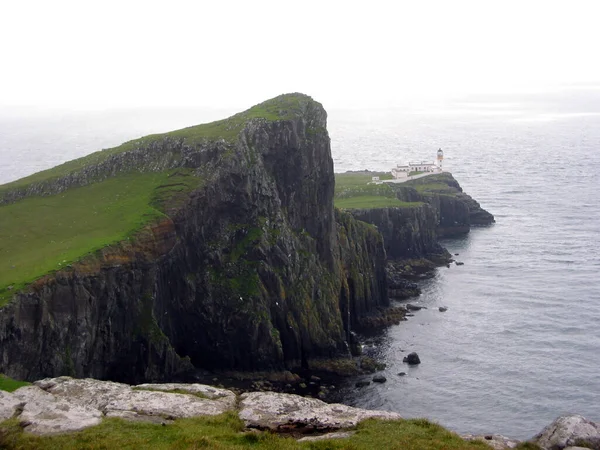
(437, 207)
(252, 272)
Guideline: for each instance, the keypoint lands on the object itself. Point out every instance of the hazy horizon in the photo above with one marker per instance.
(231, 55)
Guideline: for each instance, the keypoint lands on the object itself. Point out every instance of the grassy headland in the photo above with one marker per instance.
(39, 235)
(354, 190)
(279, 108)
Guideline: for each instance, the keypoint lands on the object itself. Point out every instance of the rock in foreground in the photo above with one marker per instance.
(58, 405)
(569, 431)
(274, 411)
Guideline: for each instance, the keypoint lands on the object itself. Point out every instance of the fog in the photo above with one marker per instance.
(232, 54)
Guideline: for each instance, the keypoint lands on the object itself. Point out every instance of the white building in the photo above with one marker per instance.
(419, 167)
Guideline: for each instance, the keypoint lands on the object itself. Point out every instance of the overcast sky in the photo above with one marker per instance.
(106, 54)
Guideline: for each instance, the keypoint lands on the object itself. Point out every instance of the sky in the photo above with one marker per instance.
(346, 54)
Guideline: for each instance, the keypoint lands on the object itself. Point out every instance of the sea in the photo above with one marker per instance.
(519, 343)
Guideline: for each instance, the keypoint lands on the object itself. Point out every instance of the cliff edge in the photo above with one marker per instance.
(225, 254)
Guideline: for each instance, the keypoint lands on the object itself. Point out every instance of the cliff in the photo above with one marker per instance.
(235, 261)
(415, 213)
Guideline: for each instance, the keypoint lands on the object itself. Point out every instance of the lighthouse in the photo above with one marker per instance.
(440, 158)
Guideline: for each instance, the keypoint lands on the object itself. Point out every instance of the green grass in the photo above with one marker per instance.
(226, 432)
(282, 107)
(372, 201)
(354, 191)
(9, 385)
(39, 235)
(351, 181)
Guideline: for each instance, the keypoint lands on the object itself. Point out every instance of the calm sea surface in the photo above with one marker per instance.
(520, 342)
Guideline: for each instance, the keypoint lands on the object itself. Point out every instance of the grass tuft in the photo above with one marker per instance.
(9, 385)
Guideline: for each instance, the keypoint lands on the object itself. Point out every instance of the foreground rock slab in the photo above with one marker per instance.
(64, 404)
(44, 413)
(569, 431)
(274, 411)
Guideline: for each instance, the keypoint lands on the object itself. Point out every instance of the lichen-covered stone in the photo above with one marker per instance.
(567, 431)
(44, 413)
(269, 410)
(8, 405)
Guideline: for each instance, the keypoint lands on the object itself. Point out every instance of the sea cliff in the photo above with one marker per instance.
(237, 259)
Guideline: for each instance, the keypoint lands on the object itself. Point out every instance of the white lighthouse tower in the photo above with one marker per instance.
(440, 158)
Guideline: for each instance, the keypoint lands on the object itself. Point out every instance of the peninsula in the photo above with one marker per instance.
(213, 247)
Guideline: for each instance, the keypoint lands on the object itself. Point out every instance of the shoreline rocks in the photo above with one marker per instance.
(64, 404)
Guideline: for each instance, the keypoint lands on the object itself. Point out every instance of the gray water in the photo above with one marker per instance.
(520, 342)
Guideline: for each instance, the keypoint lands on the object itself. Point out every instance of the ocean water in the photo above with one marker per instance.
(520, 342)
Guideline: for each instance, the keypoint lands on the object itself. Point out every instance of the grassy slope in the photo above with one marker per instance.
(41, 234)
(226, 432)
(278, 108)
(9, 385)
(353, 191)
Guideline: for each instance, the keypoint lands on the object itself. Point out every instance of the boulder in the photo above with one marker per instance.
(379, 379)
(569, 431)
(443, 308)
(412, 358)
(411, 307)
(362, 383)
(275, 411)
(44, 413)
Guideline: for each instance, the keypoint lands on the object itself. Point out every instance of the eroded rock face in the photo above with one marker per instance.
(568, 431)
(274, 411)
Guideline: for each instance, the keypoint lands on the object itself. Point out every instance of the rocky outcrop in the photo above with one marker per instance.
(569, 431)
(66, 404)
(436, 207)
(252, 272)
(408, 232)
(281, 412)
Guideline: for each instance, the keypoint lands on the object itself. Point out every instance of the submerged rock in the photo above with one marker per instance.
(412, 358)
(568, 431)
(274, 411)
